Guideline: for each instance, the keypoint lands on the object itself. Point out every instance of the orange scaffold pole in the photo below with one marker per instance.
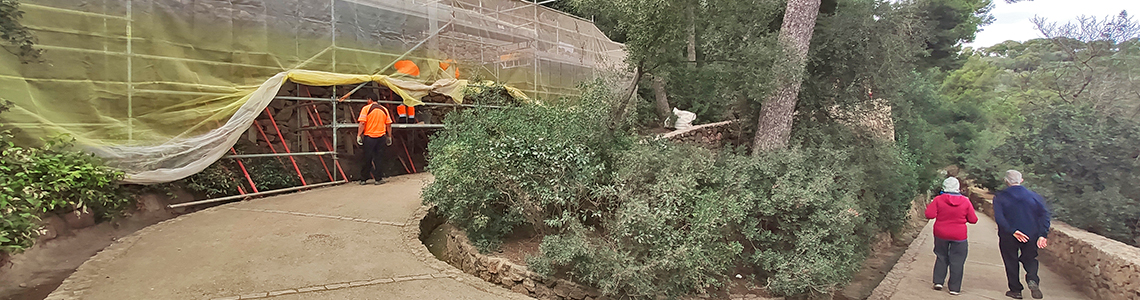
(286, 146)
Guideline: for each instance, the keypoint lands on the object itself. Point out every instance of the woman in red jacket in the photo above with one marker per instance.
(950, 211)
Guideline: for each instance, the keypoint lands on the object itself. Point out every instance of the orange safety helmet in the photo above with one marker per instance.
(407, 67)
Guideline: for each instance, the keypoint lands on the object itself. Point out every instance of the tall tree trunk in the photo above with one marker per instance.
(662, 99)
(618, 111)
(692, 37)
(775, 125)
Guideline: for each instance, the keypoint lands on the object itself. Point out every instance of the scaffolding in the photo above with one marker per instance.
(160, 77)
(336, 175)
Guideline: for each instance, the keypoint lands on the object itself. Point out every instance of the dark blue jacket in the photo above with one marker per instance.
(1016, 208)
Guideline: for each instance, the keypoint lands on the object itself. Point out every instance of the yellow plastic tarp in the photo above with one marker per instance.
(183, 156)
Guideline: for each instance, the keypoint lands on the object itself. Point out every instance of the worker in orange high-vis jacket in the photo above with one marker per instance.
(375, 124)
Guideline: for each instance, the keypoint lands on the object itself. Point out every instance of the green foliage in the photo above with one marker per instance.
(1085, 165)
(951, 23)
(488, 93)
(651, 218)
(50, 179)
(803, 220)
(733, 43)
(496, 169)
(214, 181)
(865, 50)
(650, 28)
(670, 232)
(922, 123)
(1059, 109)
(616, 215)
(223, 177)
(1063, 111)
(16, 36)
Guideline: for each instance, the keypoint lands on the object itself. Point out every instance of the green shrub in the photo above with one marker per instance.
(214, 181)
(671, 232)
(223, 177)
(803, 217)
(1085, 166)
(644, 219)
(51, 178)
(496, 169)
(488, 93)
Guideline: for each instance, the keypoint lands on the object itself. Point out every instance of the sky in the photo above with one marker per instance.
(1012, 20)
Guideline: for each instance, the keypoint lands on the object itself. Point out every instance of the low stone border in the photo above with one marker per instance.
(416, 227)
(463, 255)
(1102, 268)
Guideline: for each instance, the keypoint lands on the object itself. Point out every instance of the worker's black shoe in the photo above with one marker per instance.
(1035, 290)
(363, 182)
(379, 182)
(1012, 294)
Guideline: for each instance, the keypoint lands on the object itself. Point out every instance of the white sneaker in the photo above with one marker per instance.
(953, 293)
(937, 286)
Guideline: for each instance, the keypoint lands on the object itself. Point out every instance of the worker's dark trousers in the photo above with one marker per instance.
(372, 166)
(1014, 252)
(950, 255)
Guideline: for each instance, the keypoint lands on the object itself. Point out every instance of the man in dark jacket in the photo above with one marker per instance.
(1023, 227)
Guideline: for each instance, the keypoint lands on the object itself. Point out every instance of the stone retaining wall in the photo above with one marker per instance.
(712, 135)
(1102, 268)
(463, 255)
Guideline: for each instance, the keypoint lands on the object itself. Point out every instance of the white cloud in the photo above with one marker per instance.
(1012, 20)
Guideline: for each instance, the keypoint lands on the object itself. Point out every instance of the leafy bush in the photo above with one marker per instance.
(803, 219)
(1085, 165)
(50, 179)
(1063, 111)
(497, 169)
(487, 93)
(223, 177)
(15, 35)
(214, 181)
(671, 231)
(643, 219)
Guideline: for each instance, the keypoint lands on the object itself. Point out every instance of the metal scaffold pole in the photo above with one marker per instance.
(334, 123)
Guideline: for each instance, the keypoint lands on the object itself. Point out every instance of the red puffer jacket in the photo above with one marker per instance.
(950, 212)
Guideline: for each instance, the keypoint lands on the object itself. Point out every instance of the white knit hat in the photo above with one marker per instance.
(1013, 177)
(950, 185)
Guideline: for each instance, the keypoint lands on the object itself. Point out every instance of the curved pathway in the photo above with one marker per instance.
(343, 242)
(361, 242)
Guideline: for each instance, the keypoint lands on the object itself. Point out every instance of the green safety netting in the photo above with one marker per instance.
(155, 86)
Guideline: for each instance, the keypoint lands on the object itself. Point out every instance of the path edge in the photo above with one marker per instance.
(79, 282)
(411, 236)
(890, 283)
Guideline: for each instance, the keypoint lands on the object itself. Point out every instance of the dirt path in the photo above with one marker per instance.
(984, 275)
(345, 242)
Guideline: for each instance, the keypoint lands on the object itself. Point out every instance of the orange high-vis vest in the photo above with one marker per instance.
(375, 118)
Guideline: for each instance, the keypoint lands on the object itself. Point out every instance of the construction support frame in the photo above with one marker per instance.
(332, 147)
